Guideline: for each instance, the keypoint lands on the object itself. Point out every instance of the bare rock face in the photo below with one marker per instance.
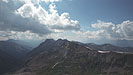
(64, 57)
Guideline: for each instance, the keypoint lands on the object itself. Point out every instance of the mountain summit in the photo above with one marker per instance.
(63, 57)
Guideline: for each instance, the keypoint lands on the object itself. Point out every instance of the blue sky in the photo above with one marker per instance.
(89, 11)
(96, 21)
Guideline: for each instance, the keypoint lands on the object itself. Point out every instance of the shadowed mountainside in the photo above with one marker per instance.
(12, 55)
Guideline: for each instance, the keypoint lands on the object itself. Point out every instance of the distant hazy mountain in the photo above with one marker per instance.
(108, 47)
(23, 43)
(63, 57)
(11, 55)
(123, 43)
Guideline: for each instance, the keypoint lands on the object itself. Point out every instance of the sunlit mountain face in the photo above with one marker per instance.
(100, 27)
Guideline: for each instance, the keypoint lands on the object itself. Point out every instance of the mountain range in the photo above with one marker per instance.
(63, 57)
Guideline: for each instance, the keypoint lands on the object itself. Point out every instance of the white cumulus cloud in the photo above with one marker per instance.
(22, 19)
(5, 1)
(29, 15)
(112, 31)
(49, 18)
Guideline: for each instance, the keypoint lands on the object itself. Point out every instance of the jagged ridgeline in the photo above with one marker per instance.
(63, 57)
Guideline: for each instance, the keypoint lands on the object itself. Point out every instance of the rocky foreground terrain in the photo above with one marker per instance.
(63, 57)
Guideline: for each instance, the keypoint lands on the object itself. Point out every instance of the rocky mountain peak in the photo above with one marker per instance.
(63, 57)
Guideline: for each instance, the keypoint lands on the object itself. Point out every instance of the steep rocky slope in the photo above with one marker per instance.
(12, 55)
(64, 57)
(7, 62)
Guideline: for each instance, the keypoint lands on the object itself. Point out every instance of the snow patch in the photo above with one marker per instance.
(89, 48)
(124, 52)
(103, 51)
